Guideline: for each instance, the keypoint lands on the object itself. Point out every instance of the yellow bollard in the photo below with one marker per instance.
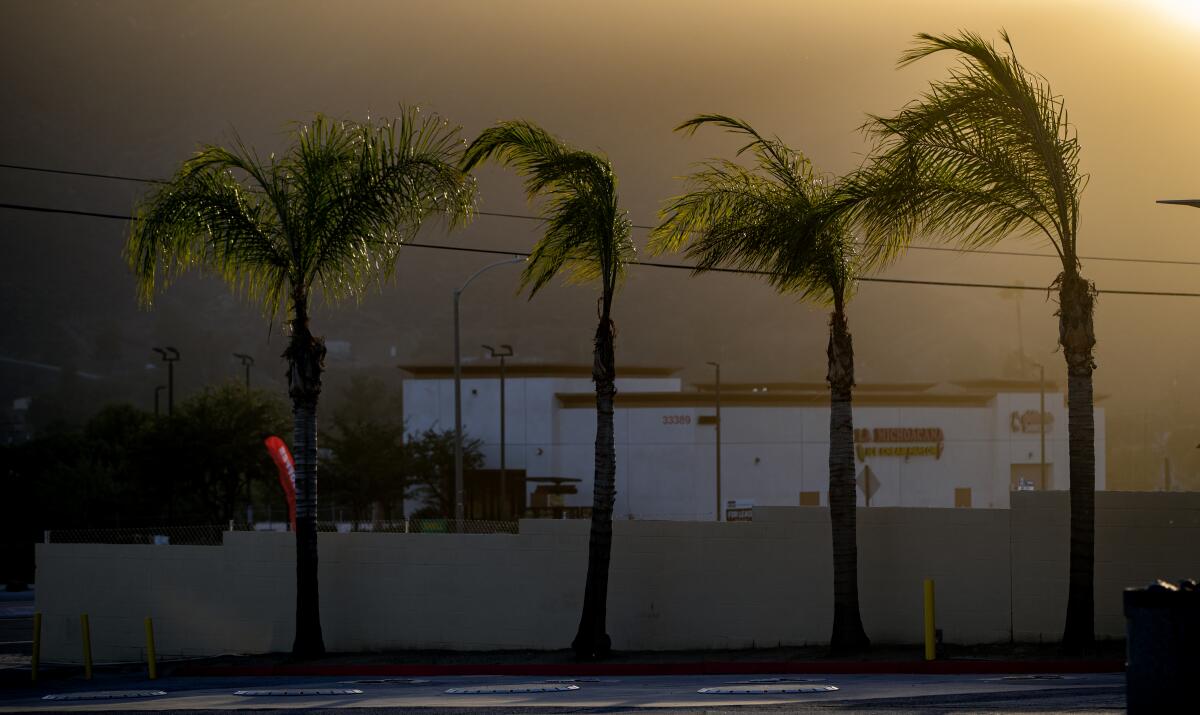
(930, 628)
(86, 631)
(151, 661)
(37, 647)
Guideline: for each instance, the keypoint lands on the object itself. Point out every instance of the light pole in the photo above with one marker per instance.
(157, 389)
(170, 356)
(505, 351)
(249, 363)
(1042, 420)
(717, 366)
(1194, 203)
(458, 435)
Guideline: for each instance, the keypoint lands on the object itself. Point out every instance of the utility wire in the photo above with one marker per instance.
(527, 217)
(655, 264)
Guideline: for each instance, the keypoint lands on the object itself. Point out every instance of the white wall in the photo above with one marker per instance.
(666, 458)
(674, 585)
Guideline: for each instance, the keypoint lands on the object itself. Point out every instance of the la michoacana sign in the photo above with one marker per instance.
(898, 442)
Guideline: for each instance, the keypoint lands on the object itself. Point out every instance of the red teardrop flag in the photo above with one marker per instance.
(287, 473)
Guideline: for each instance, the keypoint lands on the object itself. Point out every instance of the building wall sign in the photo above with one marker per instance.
(899, 442)
(1030, 421)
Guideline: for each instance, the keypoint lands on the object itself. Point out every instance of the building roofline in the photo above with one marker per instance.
(492, 369)
(767, 399)
(900, 387)
(1003, 385)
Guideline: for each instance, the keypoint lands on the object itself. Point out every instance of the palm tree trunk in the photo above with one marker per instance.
(1077, 336)
(592, 641)
(848, 634)
(306, 357)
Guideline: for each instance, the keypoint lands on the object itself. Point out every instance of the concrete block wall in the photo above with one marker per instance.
(1140, 536)
(673, 585)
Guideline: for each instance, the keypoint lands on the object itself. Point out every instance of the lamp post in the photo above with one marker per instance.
(157, 389)
(1042, 419)
(458, 435)
(248, 362)
(1194, 203)
(170, 356)
(717, 366)
(505, 351)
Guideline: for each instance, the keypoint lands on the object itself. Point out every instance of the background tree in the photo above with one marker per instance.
(329, 214)
(429, 463)
(987, 153)
(365, 439)
(781, 218)
(213, 446)
(587, 236)
(126, 469)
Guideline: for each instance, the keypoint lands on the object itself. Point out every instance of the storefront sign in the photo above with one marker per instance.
(898, 442)
(739, 510)
(1030, 421)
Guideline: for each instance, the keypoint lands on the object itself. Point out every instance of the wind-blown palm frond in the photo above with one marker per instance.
(586, 233)
(983, 154)
(334, 211)
(778, 217)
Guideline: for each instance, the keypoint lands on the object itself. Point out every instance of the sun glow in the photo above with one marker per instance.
(1181, 11)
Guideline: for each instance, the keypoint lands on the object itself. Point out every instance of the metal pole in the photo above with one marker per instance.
(157, 390)
(247, 361)
(503, 484)
(1042, 420)
(458, 433)
(717, 365)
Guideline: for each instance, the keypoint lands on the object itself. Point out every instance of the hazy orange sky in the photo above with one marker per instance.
(132, 87)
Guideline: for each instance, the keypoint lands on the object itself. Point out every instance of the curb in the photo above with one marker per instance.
(936, 667)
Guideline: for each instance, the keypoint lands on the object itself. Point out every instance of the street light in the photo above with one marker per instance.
(170, 356)
(1042, 420)
(458, 435)
(157, 389)
(1195, 203)
(505, 351)
(249, 363)
(717, 365)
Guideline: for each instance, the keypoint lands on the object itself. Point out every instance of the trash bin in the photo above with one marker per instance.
(1162, 627)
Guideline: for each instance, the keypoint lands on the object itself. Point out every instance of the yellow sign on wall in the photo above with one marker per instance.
(898, 442)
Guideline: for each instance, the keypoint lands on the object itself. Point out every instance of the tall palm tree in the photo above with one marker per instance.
(784, 220)
(986, 153)
(586, 235)
(330, 214)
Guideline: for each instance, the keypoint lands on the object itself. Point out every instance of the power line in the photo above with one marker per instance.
(645, 227)
(90, 174)
(655, 264)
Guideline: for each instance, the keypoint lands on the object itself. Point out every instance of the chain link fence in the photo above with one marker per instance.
(213, 535)
(157, 535)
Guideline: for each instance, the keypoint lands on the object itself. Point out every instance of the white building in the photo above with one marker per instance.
(964, 443)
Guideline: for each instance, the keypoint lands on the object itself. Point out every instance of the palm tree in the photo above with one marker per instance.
(586, 235)
(331, 213)
(986, 153)
(787, 222)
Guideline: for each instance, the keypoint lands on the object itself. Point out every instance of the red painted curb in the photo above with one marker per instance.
(827, 667)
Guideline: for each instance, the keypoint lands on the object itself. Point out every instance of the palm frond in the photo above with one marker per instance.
(333, 211)
(586, 234)
(778, 217)
(986, 153)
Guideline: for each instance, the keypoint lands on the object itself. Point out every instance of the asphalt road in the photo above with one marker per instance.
(16, 629)
(855, 693)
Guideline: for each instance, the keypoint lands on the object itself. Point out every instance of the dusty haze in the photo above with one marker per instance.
(132, 88)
